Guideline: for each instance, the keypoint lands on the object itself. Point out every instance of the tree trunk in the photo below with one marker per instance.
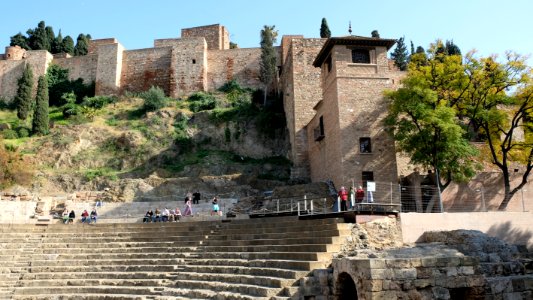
(507, 192)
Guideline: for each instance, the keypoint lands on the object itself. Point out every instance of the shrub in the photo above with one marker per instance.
(231, 86)
(71, 109)
(202, 101)
(98, 102)
(6, 104)
(154, 99)
(9, 134)
(23, 132)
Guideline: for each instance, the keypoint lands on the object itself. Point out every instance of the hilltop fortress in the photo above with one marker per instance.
(327, 84)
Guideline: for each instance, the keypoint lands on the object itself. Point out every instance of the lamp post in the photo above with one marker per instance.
(441, 208)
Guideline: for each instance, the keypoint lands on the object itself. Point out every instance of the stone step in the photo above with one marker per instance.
(78, 290)
(245, 289)
(286, 241)
(276, 248)
(266, 263)
(273, 282)
(246, 270)
(107, 262)
(96, 282)
(98, 297)
(116, 268)
(98, 275)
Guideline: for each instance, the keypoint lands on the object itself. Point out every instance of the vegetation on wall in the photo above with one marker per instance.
(13, 170)
(59, 84)
(42, 37)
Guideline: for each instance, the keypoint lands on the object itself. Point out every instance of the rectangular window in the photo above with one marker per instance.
(367, 176)
(365, 145)
(360, 56)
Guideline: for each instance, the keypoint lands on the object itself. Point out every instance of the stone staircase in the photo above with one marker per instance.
(237, 259)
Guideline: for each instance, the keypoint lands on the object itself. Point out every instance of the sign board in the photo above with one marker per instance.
(370, 186)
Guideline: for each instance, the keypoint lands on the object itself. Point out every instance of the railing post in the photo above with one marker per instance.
(324, 207)
(483, 199)
(523, 204)
(291, 205)
(298, 208)
(391, 193)
(305, 202)
(311, 206)
(338, 204)
(277, 205)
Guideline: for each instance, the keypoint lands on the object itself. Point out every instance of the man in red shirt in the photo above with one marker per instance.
(343, 195)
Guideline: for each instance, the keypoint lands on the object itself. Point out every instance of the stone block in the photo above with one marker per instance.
(373, 285)
(428, 262)
(451, 271)
(405, 273)
(398, 263)
(500, 285)
(381, 274)
(466, 270)
(424, 272)
(519, 284)
(440, 293)
(378, 264)
(391, 285)
(513, 296)
(383, 295)
(423, 283)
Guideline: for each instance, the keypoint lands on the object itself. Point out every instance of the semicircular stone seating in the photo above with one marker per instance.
(237, 259)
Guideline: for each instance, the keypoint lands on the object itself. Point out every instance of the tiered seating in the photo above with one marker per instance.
(241, 259)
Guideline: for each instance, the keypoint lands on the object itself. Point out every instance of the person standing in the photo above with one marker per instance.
(188, 209)
(359, 195)
(216, 208)
(196, 197)
(343, 195)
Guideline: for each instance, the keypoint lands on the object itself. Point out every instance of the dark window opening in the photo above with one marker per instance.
(193, 61)
(360, 56)
(319, 131)
(367, 176)
(346, 288)
(365, 145)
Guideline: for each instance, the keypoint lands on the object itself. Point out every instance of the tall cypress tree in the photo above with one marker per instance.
(23, 99)
(267, 72)
(38, 37)
(324, 29)
(399, 55)
(40, 114)
(82, 45)
(67, 45)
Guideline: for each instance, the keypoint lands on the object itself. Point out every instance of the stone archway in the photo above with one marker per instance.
(346, 289)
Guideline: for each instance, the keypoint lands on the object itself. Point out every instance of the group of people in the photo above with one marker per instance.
(165, 215)
(69, 217)
(357, 194)
(174, 215)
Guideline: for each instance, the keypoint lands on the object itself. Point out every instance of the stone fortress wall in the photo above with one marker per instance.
(200, 60)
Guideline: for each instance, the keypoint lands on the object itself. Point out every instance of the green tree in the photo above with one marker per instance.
(375, 34)
(82, 45)
(324, 29)
(420, 49)
(51, 38)
(423, 119)
(57, 43)
(38, 37)
(399, 55)
(40, 114)
(412, 48)
(67, 46)
(267, 73)
(452, 49)
(19, 40)
(499, 106)
(23, 99)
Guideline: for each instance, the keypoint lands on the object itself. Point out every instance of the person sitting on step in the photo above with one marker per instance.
(157, 216)
(85, 216)
(71, 217)
(64, 215)
(94, 216)
(165, 215)
(177, 214)
(148, 216)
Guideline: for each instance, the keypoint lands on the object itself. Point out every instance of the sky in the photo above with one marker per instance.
(489, 26)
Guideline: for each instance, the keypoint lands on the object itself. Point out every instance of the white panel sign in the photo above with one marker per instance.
(371, 186)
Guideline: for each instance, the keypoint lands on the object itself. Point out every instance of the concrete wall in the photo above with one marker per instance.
(512, 227)
(83, 67)
(241, 65)
(144, 68)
